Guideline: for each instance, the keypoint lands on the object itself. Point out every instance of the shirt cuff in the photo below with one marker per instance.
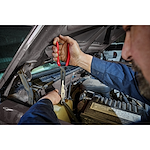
(45, 100)
(98, 67)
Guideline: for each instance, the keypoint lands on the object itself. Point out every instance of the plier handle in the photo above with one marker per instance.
(63, 72)
(68, 55)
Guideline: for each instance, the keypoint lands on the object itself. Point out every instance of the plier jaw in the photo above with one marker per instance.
(63, 72)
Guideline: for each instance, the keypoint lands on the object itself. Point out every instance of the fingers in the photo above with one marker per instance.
(55, 59)
(62, 39)
(55, 54)
(56, 39)
(54, 48)
(59, 40)
(67, 39)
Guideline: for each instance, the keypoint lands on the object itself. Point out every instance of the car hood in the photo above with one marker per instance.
(37, 47)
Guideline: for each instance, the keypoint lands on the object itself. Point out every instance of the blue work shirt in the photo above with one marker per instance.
(40, 113)
(117, 76)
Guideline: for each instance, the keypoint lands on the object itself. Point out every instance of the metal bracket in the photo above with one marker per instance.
(40, 90)
(27, 68)
(26, 86)
(26, 76)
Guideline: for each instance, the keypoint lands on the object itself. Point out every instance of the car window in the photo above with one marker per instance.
(11, 38)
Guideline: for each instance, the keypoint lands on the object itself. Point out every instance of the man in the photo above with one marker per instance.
(136, 49)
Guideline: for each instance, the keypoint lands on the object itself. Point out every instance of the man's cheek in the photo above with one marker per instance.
(136, 53)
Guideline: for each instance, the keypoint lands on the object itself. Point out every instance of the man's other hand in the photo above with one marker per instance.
(53, 96)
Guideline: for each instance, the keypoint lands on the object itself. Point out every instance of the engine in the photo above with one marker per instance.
(92, 101)
(97, 109)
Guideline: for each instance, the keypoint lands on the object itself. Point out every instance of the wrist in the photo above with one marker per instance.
(85, 61)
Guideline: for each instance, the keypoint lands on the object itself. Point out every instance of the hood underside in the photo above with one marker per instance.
(37, 47)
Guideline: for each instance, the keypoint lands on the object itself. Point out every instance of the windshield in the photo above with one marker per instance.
(44, 67)
(11, 38)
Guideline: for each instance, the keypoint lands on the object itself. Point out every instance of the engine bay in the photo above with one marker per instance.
(96, 104)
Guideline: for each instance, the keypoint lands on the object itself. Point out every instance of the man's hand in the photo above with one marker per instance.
(77, 57)
(74, 48)
(53, 96)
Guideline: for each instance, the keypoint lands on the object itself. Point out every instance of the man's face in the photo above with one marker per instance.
(137, 48)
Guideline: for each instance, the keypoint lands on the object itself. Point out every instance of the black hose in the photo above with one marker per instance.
(70, 112)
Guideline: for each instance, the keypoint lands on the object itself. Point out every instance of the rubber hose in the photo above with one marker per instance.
(70, 112)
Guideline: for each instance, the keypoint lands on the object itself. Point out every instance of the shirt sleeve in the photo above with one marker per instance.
(40, 113)
(117, 76)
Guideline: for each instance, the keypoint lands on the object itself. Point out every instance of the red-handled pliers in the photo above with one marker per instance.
(63, 72)
(68, 55)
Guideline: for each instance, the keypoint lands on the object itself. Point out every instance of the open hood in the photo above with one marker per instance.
(36, 48)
